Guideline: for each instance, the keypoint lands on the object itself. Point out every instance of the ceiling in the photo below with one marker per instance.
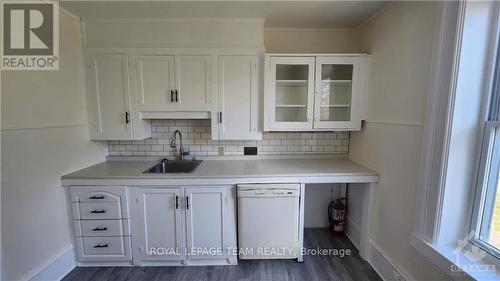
(278, 14)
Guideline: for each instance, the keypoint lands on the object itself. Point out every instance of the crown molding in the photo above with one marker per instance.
(68, 13)
(300, 29)
(167, 20)
(375, 15)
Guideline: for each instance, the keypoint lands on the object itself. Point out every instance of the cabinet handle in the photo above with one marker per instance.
(96, 197)
(176, 95)
(101, 246)
(177, 202)
(220, 117)
(127, 117)
(100, 229)
(98, 211)
(187, 202)
(171, 95)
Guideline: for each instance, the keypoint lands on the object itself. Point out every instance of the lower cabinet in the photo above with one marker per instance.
(101, 224)
(157, 226)
(154, 225)
(207, 213)
(183, 225)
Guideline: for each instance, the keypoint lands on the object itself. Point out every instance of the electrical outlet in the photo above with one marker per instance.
(220, 150)
(250, 150)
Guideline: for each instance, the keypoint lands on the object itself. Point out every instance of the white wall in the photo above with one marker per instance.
(310, 40)
(400, 42)
(217, 33)
(317, 199)
(174, 33)
(44, 135)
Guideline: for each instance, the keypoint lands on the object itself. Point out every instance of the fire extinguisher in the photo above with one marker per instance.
(336, 215)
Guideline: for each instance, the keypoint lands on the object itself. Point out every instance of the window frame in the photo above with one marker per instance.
(488, 177)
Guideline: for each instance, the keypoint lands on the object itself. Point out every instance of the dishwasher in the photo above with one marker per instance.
(268, 221)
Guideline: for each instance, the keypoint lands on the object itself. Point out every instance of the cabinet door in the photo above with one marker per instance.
(110, 97)
(157, 225)
(193, 83)
(206, 209)
(238, 98)
(336, 93)
(290, 93)
(156, 81)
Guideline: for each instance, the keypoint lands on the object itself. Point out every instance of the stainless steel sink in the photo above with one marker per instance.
(179, 166)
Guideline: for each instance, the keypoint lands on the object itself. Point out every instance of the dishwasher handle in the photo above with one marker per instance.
(268, 193)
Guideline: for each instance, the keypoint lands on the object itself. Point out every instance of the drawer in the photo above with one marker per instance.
(90, 228)
(103, 248)
(97, 194)
(92, 211)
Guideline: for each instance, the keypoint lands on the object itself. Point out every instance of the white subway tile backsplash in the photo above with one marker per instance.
(280, 148)
(318, 136)
(197, 136)
(157, 147)
(317, 148)
(275, 142)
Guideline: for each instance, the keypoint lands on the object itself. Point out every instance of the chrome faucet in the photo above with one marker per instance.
(173, 144)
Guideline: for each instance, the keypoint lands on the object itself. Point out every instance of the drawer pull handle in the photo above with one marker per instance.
(101, 246)
(100, 229)
(176, 202)
(98, 211)
(96, 197)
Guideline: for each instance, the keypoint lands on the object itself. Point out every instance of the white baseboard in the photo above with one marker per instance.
(56, 267)
(384, 266)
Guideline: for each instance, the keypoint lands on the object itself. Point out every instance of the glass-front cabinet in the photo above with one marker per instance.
(335, 97)
(312, 93)
(292, 87)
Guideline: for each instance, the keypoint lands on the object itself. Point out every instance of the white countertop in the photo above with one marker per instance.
(226, 172)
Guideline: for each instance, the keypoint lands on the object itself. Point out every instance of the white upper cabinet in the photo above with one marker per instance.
(109, 96)
(314, 92)
(238, 115)
(336, 95)
(290, 93)
(128, 87)
(192, 92)
(111, 114)
(155, 80)
(173, 83)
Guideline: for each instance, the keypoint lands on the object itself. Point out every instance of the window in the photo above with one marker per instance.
(461, 159)
(486, 216)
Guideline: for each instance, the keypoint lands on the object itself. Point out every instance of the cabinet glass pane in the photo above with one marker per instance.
(291, 93)
(335, 92)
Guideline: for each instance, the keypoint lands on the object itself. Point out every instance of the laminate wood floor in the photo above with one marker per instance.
(331, 268)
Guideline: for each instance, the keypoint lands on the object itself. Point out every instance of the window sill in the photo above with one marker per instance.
(446, 259)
